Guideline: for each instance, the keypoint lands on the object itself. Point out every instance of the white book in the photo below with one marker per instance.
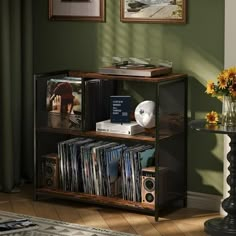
(125, 128)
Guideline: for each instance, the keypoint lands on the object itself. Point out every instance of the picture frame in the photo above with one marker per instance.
(81, 10)
(153, 11)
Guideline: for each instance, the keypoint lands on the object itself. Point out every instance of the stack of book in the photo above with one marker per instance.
(131, 128)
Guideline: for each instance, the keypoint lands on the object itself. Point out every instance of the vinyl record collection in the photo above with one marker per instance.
(134, 159)
(103, 168)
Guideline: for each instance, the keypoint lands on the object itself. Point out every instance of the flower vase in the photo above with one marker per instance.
(228, 111)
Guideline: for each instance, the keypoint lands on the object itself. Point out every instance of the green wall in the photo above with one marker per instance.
(195, 48)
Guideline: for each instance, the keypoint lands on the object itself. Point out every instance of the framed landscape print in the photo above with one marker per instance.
(153, 11)
(84, 10)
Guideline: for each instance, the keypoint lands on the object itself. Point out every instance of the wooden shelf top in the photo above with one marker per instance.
(145, 137)
(139, 137)
(95, 75)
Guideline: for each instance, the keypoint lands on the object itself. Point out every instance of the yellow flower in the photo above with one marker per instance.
(212, 117)
(210, 87)
(232, 72)
(225, 85)
(225, 73)
(223, 80)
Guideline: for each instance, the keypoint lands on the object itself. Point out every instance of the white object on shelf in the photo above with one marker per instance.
(145, 114)
(131, 128)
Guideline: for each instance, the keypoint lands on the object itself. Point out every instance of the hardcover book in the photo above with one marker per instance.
(120, 109)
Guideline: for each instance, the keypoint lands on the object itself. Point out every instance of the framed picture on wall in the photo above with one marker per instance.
(84, 10)
(153, 11)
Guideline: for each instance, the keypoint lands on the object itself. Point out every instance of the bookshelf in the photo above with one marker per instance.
(169, 140)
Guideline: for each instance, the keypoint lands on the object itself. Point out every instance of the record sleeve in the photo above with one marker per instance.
(64, 102)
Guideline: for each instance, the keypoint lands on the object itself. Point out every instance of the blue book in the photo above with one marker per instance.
(120, 109)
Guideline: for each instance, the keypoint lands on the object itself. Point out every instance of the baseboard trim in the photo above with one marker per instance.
(203, 201)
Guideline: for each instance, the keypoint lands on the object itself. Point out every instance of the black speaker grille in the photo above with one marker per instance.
(149, 184)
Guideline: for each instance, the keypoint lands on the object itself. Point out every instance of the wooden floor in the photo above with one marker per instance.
(183, 222)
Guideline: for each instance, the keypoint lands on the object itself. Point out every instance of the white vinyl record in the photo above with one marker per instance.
(145, 114)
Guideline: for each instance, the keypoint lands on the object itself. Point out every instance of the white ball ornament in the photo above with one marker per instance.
(145, 114)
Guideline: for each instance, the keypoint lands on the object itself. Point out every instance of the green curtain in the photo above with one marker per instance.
(16, 94)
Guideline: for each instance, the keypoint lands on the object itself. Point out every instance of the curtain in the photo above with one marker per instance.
(16, 94)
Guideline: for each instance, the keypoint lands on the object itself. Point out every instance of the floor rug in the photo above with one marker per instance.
(48, 227)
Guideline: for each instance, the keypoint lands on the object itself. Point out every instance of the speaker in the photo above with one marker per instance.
(148, 185)
(49, 173)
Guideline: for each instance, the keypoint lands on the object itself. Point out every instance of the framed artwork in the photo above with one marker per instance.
(153, 11)
(84, 10)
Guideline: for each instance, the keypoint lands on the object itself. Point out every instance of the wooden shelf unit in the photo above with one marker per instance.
(169, 139)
